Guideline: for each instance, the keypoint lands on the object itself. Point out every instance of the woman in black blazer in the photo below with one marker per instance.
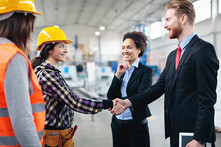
(130, 128)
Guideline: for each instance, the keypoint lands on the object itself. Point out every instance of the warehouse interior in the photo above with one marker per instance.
(96, 27)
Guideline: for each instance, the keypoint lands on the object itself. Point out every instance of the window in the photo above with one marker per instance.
(203, 10)
(156, 30)
(219, 6)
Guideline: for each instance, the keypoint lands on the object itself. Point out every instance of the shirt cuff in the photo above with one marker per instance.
(107, 104)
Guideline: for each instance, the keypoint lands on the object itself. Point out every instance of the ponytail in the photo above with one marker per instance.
(36, 61)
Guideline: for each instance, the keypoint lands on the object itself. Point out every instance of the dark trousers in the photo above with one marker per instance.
(173, 142)
(130, 134)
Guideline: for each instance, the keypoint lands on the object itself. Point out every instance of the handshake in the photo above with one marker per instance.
(119, 106)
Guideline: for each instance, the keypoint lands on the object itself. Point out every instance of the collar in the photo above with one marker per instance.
(45, 65)
(49, 66)
(136, 63)
(185, 41)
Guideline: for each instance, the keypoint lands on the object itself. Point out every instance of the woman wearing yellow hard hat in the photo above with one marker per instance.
(61, 102)
(22, 111)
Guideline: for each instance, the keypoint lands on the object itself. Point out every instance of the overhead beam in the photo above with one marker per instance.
(122, 11)
(105, 14)
(98, 4)
(81, 11)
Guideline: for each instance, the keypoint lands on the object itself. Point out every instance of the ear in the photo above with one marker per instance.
(184, 18)
(139, 50)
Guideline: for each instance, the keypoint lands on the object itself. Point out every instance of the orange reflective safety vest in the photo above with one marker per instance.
(7, 135)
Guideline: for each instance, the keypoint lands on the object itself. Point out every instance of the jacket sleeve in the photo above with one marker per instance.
(55, 86)
(150, 94)
(114, 89)
(206, 65)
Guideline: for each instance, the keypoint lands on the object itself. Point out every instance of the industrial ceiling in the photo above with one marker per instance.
(115, 15)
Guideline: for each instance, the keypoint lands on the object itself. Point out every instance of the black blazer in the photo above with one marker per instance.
(190, 92)
(140, 80)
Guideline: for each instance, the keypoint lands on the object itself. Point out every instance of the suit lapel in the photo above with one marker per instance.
(134, 75)
(183, 58)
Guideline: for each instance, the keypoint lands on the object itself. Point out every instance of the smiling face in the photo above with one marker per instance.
(173, 24)
(129, 51)
(59, 52)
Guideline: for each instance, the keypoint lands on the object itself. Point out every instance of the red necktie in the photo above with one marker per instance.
(177, 57)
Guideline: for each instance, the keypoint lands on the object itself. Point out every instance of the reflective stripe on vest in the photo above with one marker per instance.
(7, 135)
(35, 108)
(12, 140)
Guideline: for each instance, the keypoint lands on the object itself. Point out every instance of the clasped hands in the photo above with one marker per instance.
(119, 106)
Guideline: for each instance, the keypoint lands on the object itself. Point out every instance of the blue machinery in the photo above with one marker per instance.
(144, 58)
(76, 42)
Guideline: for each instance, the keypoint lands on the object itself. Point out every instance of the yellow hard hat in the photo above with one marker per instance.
(28, 6)
(51, 34)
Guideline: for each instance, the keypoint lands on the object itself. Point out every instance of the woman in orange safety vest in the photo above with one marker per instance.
(22, 111)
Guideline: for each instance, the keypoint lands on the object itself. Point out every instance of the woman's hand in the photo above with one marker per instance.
(121, 69)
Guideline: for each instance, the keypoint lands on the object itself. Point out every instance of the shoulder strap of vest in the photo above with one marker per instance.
(6, 53)
(8, 50)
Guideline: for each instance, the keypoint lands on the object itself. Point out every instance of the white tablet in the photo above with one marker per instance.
(185, 138)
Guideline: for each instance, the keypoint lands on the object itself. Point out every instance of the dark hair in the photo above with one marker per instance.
(183, 7)
(140, 40)
(18, 29)
(43, 54)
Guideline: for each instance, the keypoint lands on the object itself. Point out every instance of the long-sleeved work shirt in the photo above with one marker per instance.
(60, 101)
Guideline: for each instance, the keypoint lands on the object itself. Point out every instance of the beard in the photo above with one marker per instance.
(176, 31)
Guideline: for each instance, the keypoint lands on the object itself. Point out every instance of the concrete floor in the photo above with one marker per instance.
(95, 131)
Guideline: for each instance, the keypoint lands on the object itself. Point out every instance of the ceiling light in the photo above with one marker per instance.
(102, 28)
(97, 33)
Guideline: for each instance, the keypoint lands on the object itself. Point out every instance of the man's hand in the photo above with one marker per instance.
(120, 106)
(194, 143)
(121, 69)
